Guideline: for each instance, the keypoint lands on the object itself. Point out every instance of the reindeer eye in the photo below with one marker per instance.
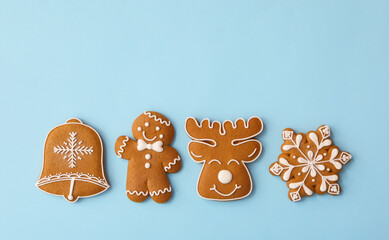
(233, 161)
(214, 160)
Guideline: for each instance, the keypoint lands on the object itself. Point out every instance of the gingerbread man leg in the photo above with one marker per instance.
(136, 188)
(159, 188)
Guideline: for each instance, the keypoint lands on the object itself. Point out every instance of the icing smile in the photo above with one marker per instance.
(148, 139)
(222, 194)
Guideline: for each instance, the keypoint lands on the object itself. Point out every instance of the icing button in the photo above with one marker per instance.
(147, 165)
(147, 156)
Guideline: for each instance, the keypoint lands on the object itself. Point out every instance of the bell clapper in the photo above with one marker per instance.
(70, 196)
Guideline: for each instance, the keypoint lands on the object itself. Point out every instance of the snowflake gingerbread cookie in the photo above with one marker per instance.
(150, 158)
(309, 163)
(73, 162)
(224, 149)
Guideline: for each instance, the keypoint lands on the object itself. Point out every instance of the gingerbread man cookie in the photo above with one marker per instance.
(150, 158)
(309, 163)
(224, 149)
(73, 162)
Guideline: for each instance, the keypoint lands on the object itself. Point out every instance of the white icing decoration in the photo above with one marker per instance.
(147, 165)
(148, 139)
(213, 143)
(276, 169)
(121, 148)
(334, 189)
(287, 135)
(73, 150)
(78, 176)
(325, 131)
(161, 136)
(139, 129)
(233, 160)
(156, 193)
(147, 124)
(344, 157)
(148, 156)
(296, 144)
(86, 177)
(252, 153)
(295, 196)
(70, 196)
(169, 166)
(156, 146)
(138, 193)
(214, 160)
(198, 156)
(157, 128)
(225, 195)
(153, 193)
(312, 164)
(224, 176)
(157, 119)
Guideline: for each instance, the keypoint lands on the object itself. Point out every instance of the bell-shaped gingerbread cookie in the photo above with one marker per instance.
(73, 162)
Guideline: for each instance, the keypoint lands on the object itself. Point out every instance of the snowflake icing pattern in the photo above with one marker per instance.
(309, 163)
(72, 150)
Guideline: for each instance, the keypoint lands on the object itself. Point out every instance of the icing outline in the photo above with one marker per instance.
(223, 194)
(157, 119)
(102, 159)
(174, 162)
(121, 148)
(153, 193)
(203, 162)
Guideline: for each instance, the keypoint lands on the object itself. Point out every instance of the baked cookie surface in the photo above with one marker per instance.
(73, 162)
(224, 149)
(149, 158)
(309, 163)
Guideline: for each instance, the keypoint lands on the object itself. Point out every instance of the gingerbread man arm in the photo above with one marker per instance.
(124, 146)
(171, 160)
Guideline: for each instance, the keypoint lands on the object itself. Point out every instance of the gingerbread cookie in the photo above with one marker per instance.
(224, 149)
(73, 162)
(150, 158)
(309, 163)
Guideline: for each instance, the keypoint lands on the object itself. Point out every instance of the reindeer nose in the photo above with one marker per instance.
(224, 176)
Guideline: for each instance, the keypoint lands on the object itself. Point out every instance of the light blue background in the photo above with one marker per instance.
(295, 64)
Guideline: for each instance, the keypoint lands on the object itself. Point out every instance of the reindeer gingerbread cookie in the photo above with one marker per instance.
(224, 149)
(150, 158)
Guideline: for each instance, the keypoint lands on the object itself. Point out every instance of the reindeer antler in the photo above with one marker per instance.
(206, 131)
(241, 130)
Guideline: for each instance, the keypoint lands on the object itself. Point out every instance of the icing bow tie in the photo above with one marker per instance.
(157, 146)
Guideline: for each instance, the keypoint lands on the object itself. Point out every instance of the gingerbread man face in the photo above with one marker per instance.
(224, 149)
(152, 126)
